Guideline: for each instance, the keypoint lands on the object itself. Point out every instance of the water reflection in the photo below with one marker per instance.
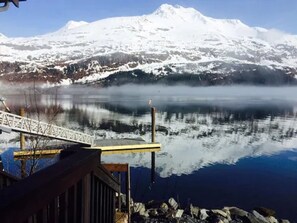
(196, 129)
(252, 182)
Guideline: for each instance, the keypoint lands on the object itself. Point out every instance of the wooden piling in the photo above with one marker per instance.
(153, 158)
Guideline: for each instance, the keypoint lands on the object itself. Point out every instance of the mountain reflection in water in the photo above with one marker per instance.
(198, 128)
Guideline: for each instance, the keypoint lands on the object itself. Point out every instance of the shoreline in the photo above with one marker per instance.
(170, 211)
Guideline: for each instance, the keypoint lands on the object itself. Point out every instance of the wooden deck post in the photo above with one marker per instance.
(119, 191)
(128, 193)
(1, 164)
(153, 159)
(86, 198)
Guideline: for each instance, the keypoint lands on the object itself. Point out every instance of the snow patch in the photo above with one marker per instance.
(72, 25)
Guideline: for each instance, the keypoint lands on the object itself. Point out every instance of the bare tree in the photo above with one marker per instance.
(34, 109)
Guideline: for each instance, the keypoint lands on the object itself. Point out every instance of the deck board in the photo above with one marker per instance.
(125, 145)
(119, 142)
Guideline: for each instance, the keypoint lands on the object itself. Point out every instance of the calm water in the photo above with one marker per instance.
(221, 146)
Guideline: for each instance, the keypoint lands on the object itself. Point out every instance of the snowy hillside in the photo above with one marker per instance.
(170, 42)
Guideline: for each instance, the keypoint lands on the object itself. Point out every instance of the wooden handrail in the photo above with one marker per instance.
(105, 176)
(7, 179)
(12, 177)
(27, 197)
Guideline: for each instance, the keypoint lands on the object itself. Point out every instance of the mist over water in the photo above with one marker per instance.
(203, 92)
(225, 96)
(196, 93)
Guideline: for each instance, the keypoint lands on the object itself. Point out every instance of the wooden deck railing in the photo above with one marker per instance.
(6, 180)
(76, 189)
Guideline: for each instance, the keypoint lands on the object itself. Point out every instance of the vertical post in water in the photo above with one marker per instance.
(22, 147)
(153, 159)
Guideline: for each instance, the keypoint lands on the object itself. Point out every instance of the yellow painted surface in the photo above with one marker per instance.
(125, 147)
(111, 152)
(106, 150)
(42, 152)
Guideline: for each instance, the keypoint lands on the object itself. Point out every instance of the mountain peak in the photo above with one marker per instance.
(73, 24)
(166, 10)
(168, 7)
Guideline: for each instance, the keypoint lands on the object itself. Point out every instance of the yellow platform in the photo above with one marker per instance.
(107, 147)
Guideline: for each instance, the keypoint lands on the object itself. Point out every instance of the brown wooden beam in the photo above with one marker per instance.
(116, 167)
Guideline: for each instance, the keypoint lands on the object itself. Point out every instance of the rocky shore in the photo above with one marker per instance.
(170, 211)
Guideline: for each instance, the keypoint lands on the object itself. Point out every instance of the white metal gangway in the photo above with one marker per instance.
(11, 122)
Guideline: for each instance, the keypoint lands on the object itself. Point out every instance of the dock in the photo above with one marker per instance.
(107, 147)
(125, 145)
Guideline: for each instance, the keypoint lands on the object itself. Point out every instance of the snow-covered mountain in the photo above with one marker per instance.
(173, 44)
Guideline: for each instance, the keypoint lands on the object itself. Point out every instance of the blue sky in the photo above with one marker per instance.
(42, 16)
